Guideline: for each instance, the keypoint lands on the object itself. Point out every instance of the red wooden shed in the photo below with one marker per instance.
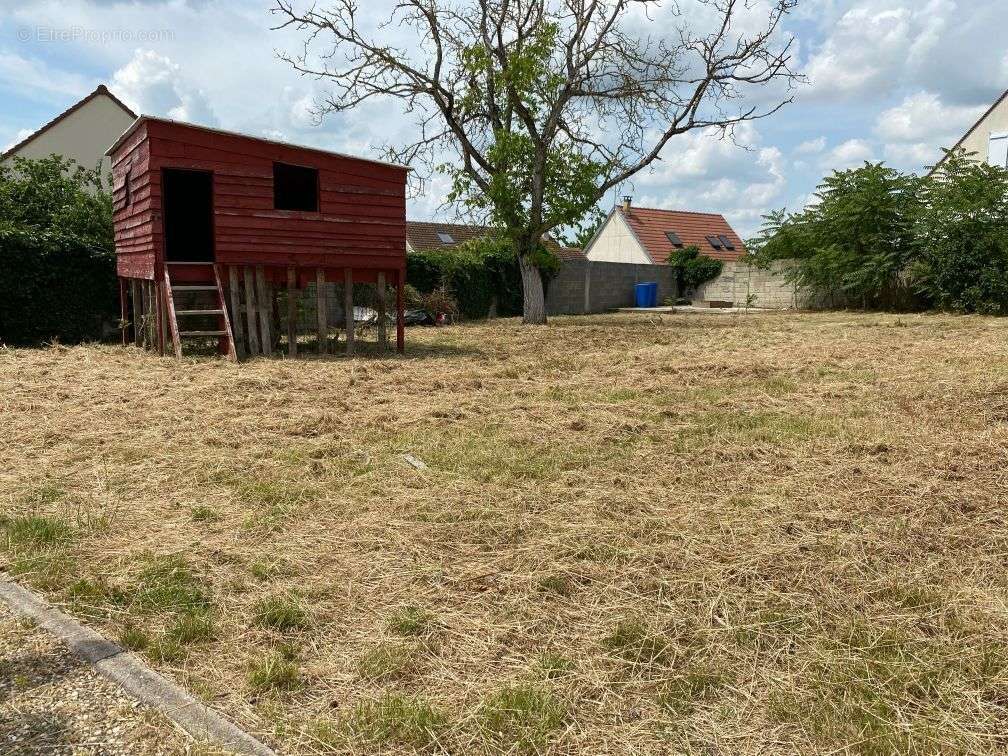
(244, 223)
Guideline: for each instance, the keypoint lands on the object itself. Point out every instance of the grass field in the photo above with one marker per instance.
(708, 534)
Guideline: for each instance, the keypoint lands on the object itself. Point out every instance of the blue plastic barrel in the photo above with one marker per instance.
(653, 289)
(642, 295)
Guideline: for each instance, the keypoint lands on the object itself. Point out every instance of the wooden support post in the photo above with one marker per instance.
(348, 309)
(400, 314)
(234, 294)
(137, 310)
(122, 308)
(151, 307)
(250, 312)
(292, 297)
(382, 312)
(162, 320)
(321, 311)
(265, 311)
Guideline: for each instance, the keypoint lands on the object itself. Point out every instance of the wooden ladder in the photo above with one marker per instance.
(195, 276)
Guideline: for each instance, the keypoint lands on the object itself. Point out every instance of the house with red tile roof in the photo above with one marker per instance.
(648, 236)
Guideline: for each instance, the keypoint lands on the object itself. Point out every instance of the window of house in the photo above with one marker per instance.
(997, 150)
(295, 188)
(714, 242)
(726, 242)
(445, 238)
(674, 238)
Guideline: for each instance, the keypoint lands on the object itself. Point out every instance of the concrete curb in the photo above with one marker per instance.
(129, 672)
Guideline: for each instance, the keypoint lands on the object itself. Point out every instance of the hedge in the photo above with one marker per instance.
(54, 288)
(475, 278)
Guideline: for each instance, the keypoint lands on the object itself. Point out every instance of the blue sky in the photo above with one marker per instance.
(888, 80)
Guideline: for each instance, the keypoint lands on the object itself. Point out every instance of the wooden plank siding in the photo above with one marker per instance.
(361, 222)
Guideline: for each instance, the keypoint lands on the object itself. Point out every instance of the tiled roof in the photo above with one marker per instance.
(101, 90)
(423, 237)
(650, 226)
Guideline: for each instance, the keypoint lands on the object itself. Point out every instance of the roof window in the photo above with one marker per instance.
(674, 238)
(726, 242)
(445, 238)
(715, 242)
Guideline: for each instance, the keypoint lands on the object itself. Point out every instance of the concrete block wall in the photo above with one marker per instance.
(584, 286)
(769, 288)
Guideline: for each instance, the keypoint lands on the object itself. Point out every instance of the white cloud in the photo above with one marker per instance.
(151, 83)
(21, 134)
(849, 154)
(915, 130)
(699, 171)
(39, 80)
(811, 146)
(872, 49)
(923, 117)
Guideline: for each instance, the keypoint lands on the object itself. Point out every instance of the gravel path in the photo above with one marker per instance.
(53, 702)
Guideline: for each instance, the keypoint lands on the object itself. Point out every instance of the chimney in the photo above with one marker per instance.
(626, 203)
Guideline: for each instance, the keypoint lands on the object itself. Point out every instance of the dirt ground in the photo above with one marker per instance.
(765, 533)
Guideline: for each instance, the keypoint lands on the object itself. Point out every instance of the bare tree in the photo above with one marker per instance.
(536, 108)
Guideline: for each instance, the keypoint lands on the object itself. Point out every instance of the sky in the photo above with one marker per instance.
(891, 80)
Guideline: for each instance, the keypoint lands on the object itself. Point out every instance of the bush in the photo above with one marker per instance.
(855, 245)
(693, 268)
(962, 237)
(476, 274)
(57, 265)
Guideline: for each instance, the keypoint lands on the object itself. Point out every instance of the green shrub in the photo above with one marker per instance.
(962, 235)
(693, 268)
(476, 273)
(57, 266)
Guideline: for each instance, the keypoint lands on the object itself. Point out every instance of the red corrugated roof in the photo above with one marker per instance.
(650, 225)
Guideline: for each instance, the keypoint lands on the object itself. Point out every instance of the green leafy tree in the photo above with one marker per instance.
(856, 243)
(57, 262)
(962, 236)
(534, 111)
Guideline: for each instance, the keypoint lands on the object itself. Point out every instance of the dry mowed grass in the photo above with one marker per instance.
(774, 533)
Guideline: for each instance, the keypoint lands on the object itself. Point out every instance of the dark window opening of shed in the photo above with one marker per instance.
(726, 242)
(295, 188)
(674, 238)
(714, 242)
(445, 238)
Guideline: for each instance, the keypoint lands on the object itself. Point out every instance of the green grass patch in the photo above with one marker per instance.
(35, 532)
(282, 613)
(165, 584)
(276, 670)
(522, 718)
(191, 627)
(389, 661)
(133, 637)
(404, 720)
(203, 513)
(410, 620)
(635, 641)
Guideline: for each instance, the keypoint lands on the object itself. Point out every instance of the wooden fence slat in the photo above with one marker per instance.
(348, 308)
(234, 294)
(265, 314)
(382, 312)
(292, 300)
(320, 307)
(250, 312)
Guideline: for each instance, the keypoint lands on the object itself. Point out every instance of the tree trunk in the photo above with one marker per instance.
(532, 288)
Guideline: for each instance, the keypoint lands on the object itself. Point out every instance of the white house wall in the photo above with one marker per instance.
(83, 136)
(996, 122)
(617, 243)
